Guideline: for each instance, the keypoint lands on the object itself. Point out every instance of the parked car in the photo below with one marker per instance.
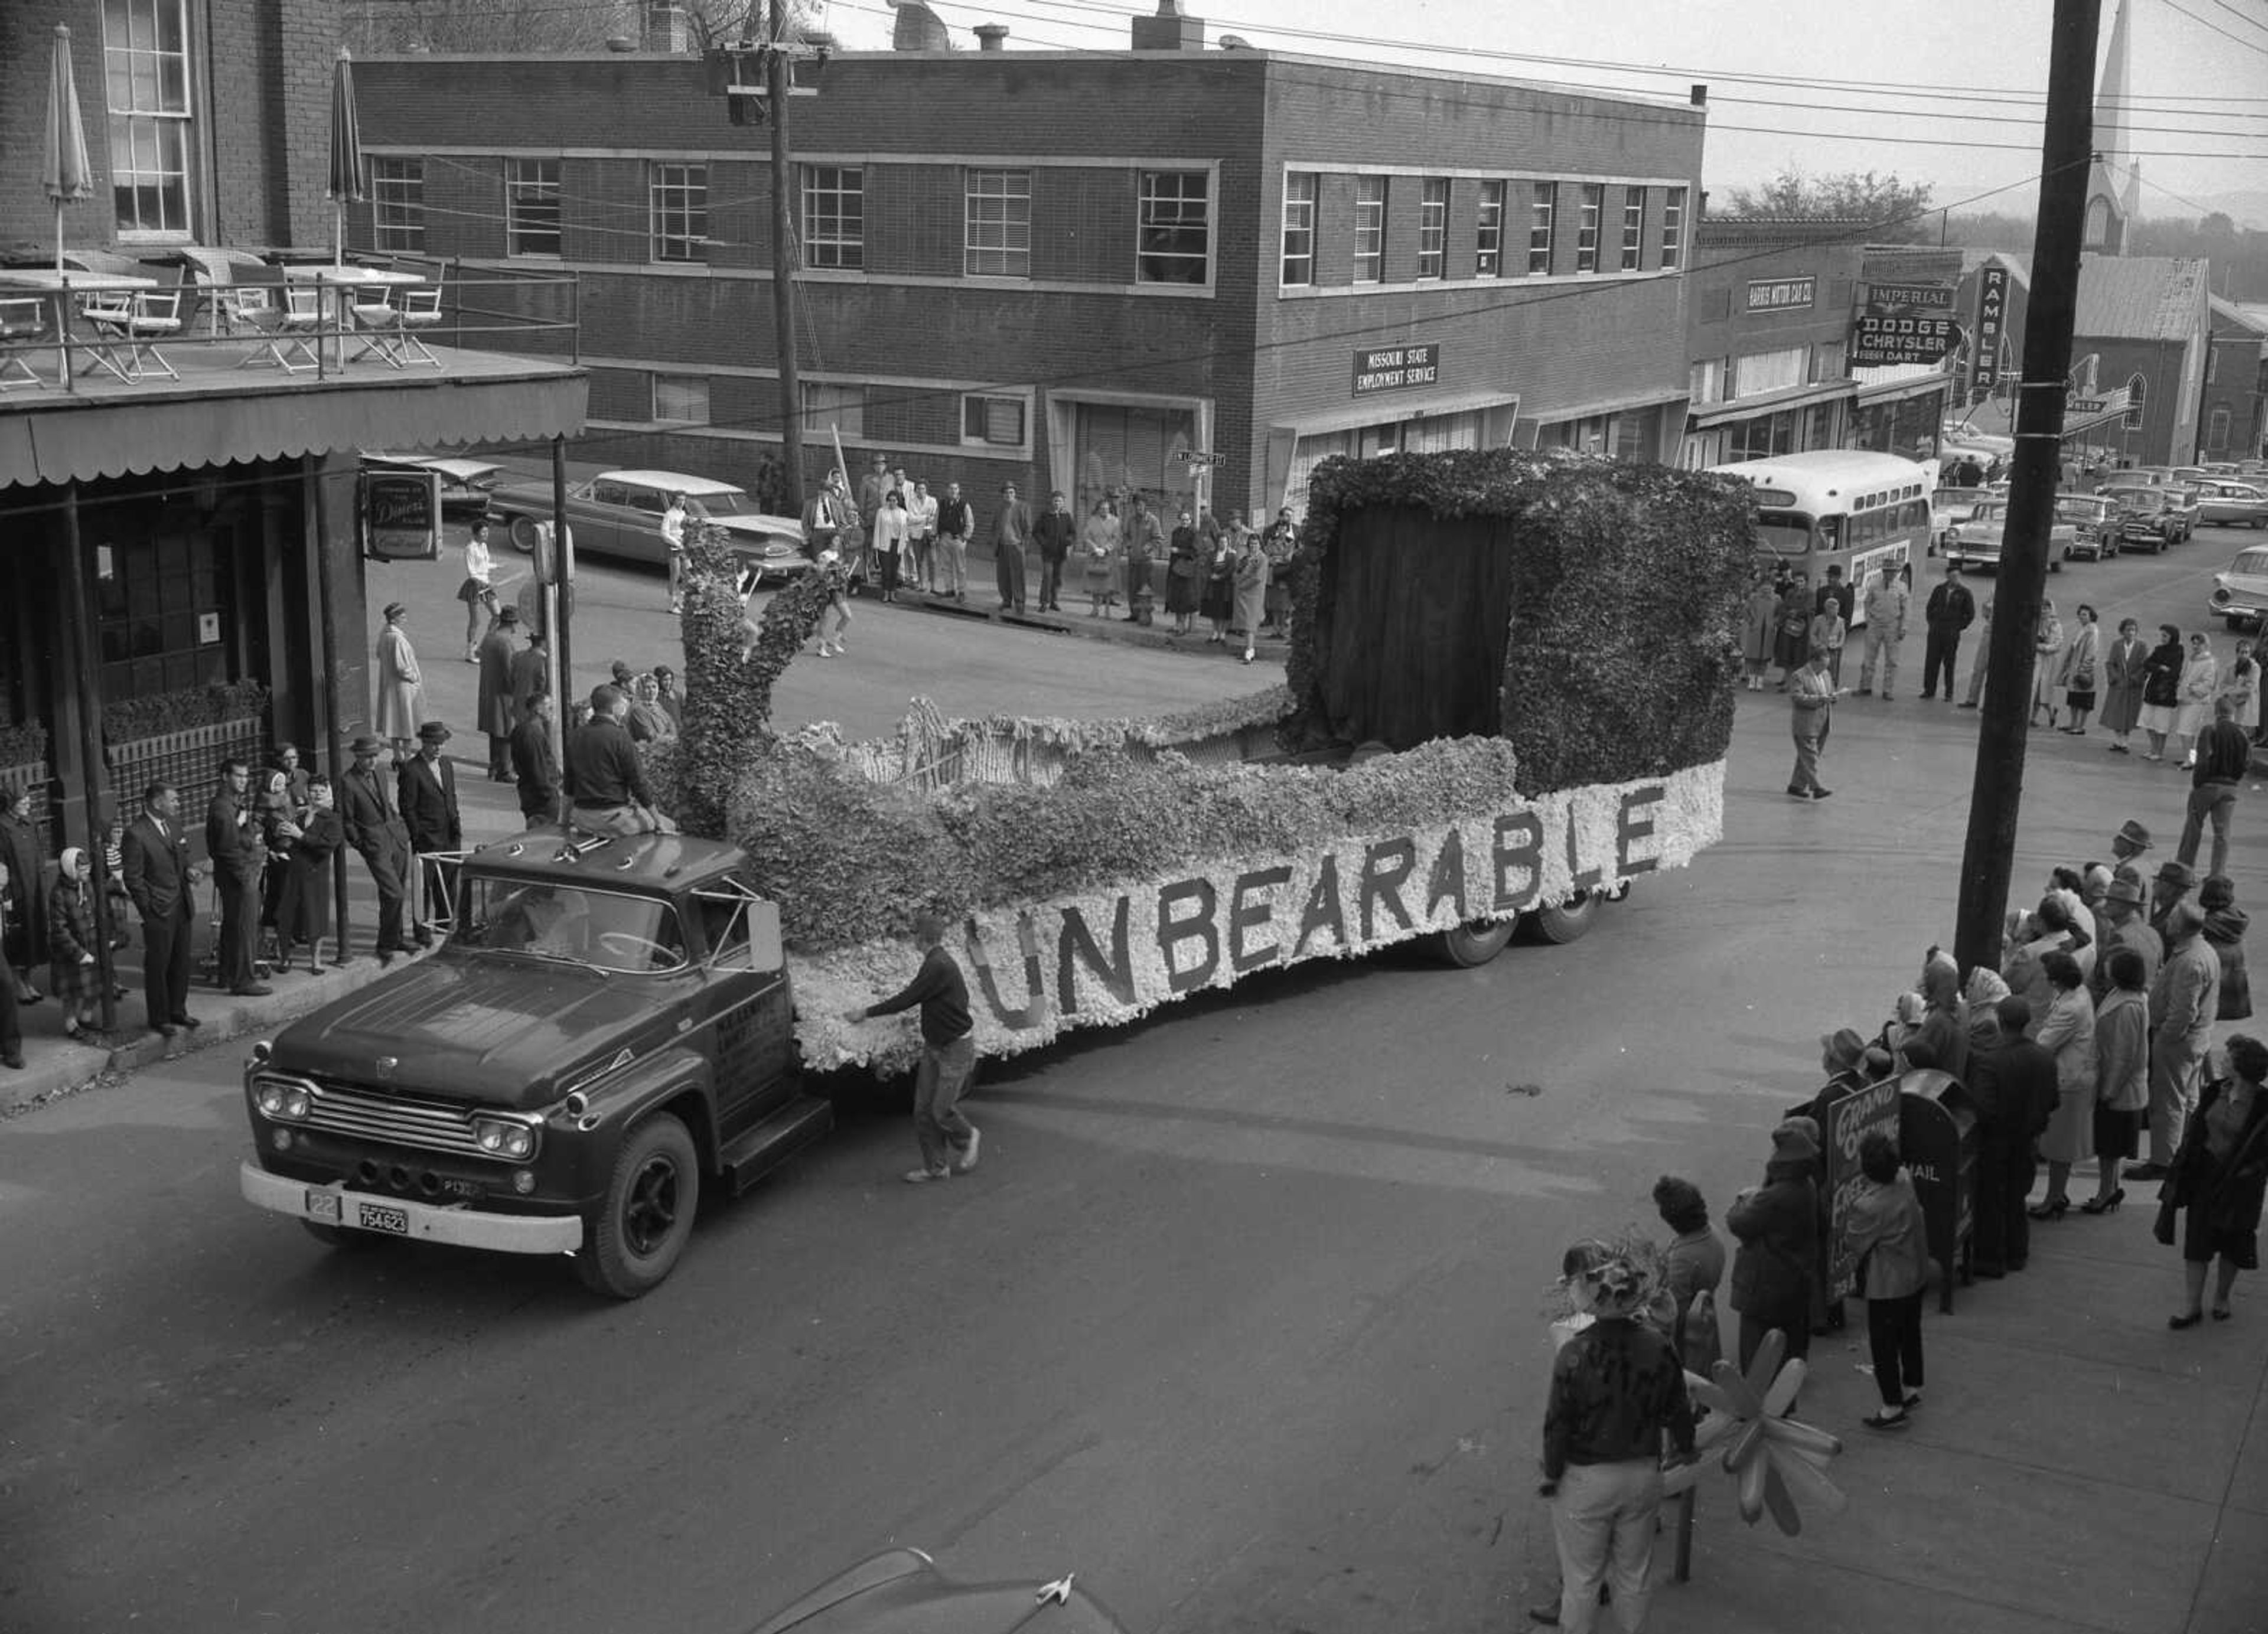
(1977, 542)
(465, 484)
(2229, 504)
(2094, 522)
(2150, 522)
(904, 1592)
(2239, 595)
(618, 514)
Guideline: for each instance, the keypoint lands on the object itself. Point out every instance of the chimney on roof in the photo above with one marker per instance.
(992, 36)
(1169, 29)
(919, 29)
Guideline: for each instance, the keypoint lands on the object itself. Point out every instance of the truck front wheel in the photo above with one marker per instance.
(1469, 945)
(648, 1213)
(1568, 921)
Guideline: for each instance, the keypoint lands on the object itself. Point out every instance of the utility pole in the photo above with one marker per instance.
(1997, 788)
(778, 79)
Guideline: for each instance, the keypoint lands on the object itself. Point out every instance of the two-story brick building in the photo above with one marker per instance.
(1077, 270)
(1768, 324)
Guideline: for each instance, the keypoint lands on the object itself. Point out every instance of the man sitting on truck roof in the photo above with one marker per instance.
(604, 780)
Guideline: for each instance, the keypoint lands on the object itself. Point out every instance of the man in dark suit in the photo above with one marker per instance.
(536, 765)
(2015, 1090)
(495, 696)
(531, 674)
(366, 811)
(427, 786)
(158, 878)
(232, 840)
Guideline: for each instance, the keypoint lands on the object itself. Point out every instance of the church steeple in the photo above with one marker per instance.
(2114, 182)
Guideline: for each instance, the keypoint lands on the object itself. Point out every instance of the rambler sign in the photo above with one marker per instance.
(1396, 368)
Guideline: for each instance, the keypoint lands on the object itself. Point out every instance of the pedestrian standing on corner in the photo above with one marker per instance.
(19, 849)
(1812, 700)
(2225, 926)
(401, 684)
(2184, 999)
(890, 532)
(2161, 690)
(1057, 533)
(2122, 676)
(11, 1028)
(2080, 668)
(161, 882)
(239, 857)
(1949, 610)
(478, 591)
(1887, 602)
(535, 765)
(1828, 634)
(1144, 543)
(2200, 682)
(1012, 532)
(948, 1141)
(1693, 1270)
(1837, 589)
(672, 528)
(1982, 664)
(2223, 753)
(2219, 1181)
(1889, 1238)
(426, 796)
(73, 981)
(1185, 569)
(956, 524)
(1791, 638)
(1251, 592)
(1098, 547)
(1281, 543)
(494, 700)
(1777, 1226)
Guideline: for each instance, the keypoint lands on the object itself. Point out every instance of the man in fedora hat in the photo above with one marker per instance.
(427, 788)
(1813, 694)
(2131, 840)
(495, 706)
(1843, 1057)
(2183, 1000)
(2174, 881)
(373, 827)
(2122, 925)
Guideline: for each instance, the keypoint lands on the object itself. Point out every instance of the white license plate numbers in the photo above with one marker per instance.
(322, 1206)
(379, 1217)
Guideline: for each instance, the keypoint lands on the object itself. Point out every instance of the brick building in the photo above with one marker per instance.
(1074, 269)
(1768, 324)
(179, 522)
(2233, 418)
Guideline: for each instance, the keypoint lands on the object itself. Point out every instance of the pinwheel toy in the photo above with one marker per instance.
(1777, 1462)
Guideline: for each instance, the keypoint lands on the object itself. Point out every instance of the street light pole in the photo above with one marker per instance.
(778, 79)
(1997, 788)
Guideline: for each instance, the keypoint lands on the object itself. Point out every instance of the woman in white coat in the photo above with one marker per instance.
(2047, 657)
(2200, 681)
(2068, 1035)
(401, 684)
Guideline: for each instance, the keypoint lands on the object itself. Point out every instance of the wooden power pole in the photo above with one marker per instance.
(1997, 790)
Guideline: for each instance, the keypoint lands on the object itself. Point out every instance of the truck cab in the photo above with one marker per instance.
(608, 1028)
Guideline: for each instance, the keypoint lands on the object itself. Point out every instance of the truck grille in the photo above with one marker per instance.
(421, 1124)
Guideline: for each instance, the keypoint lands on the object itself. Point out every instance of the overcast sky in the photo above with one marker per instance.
(2199, 74)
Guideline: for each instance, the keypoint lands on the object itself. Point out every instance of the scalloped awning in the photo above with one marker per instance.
(119, 431)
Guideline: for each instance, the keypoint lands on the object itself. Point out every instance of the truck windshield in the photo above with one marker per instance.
(540, 919)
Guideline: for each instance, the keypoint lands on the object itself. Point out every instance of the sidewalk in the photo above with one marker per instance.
(55, 1065)
(984, 607)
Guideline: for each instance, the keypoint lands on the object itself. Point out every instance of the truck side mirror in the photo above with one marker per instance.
(764, 950)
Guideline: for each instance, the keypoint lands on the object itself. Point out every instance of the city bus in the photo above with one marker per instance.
(1862, 512)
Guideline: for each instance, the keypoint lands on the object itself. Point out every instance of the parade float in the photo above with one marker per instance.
(1509, 695)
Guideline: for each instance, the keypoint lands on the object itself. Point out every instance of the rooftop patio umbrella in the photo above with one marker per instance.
(345, 186)
(64, 168)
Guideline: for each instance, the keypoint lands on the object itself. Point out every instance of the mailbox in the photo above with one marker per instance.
(1938, 1141)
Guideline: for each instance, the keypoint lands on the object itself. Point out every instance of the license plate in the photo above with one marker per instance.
(323, 1204)
(379, 1217)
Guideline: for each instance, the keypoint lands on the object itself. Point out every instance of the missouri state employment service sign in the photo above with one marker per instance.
(1396, 368)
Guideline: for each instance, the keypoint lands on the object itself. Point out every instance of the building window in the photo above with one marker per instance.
(1299, 228)
(1633, 227)
(1369, 228)
(1173, 235)
(1827, 360)
(683, 398)
(531, 207)
(998, 217)
(835, 216)
(1586, 227)
(2137, 387)
(1673, 228)
(1769, 372)
(678, 212)
(165, 612)
(145, 59)
(397, 205)
(2216, 431)
(1433, 227)
(825, 403)
(1707, 382)
(993, 421)
(1490, 263)
(1543, 210)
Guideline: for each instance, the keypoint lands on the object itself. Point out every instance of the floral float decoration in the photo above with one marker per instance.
(1779, 1463)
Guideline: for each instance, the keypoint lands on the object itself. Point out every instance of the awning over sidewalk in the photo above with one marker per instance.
(84, 437)
(1895, 382)
(1702, 416)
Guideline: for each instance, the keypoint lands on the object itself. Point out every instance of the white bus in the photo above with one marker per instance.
(1862, 512)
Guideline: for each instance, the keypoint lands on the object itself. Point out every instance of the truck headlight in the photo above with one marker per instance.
(283, 1099)
(504, 1138)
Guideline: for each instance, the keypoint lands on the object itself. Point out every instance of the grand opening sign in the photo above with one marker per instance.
(1396, 368)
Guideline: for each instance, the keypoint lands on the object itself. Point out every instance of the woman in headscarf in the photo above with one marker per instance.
(2048, 930)
(71, 974)
(2067, 1033)
(1942, 1032)
(2082, 667)
(2218, 1178)
(2121, 1074)
(304, 914)
(2162, 689)
(2047, 645)
(1184, 575)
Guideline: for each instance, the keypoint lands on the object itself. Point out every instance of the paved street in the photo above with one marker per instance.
(1240, 1320)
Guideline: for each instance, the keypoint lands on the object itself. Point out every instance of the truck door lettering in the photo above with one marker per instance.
(1322, 912)
(1076, 946)
(1034, 1007)
(1578, 876)
(1519, 852)
(1446, 882)
(1630, 827)
(1247, 912)
(1198, 927)
(1386, 864)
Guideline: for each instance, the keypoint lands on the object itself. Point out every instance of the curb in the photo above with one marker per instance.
(1111, 628)
(74, 1067)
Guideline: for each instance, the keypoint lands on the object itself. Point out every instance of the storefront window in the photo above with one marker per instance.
(165, 612)
(1123, 448)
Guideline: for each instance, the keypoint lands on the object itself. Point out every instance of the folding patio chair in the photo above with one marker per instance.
(378, 325)
(21, 322)
(285, 326)
(420, 309)
(130, 327)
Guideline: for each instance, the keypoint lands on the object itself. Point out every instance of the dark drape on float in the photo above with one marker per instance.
(1412, 618)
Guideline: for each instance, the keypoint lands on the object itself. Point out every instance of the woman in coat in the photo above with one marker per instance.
(1792, 628)
(28, 908)
(1777, 1226)
(1251, 578)
(2162, 689)
(2067, 1034)
(2047, 929)
(2080, 670)
(1889, 1240)
(303, 917)
(401, 684)
(71, 973)
(893, 536)
(2241, 686)
(2121, 1074)
(2047, 649)
(1184, 575)
(1693, 1264)
(2200, 681)
(1759, 624)
(2121, 681)
(2218, 1179)
(277, 819)
(1098, 552)
(1219, 602)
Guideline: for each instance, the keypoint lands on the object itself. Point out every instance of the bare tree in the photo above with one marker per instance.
(540, 25)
